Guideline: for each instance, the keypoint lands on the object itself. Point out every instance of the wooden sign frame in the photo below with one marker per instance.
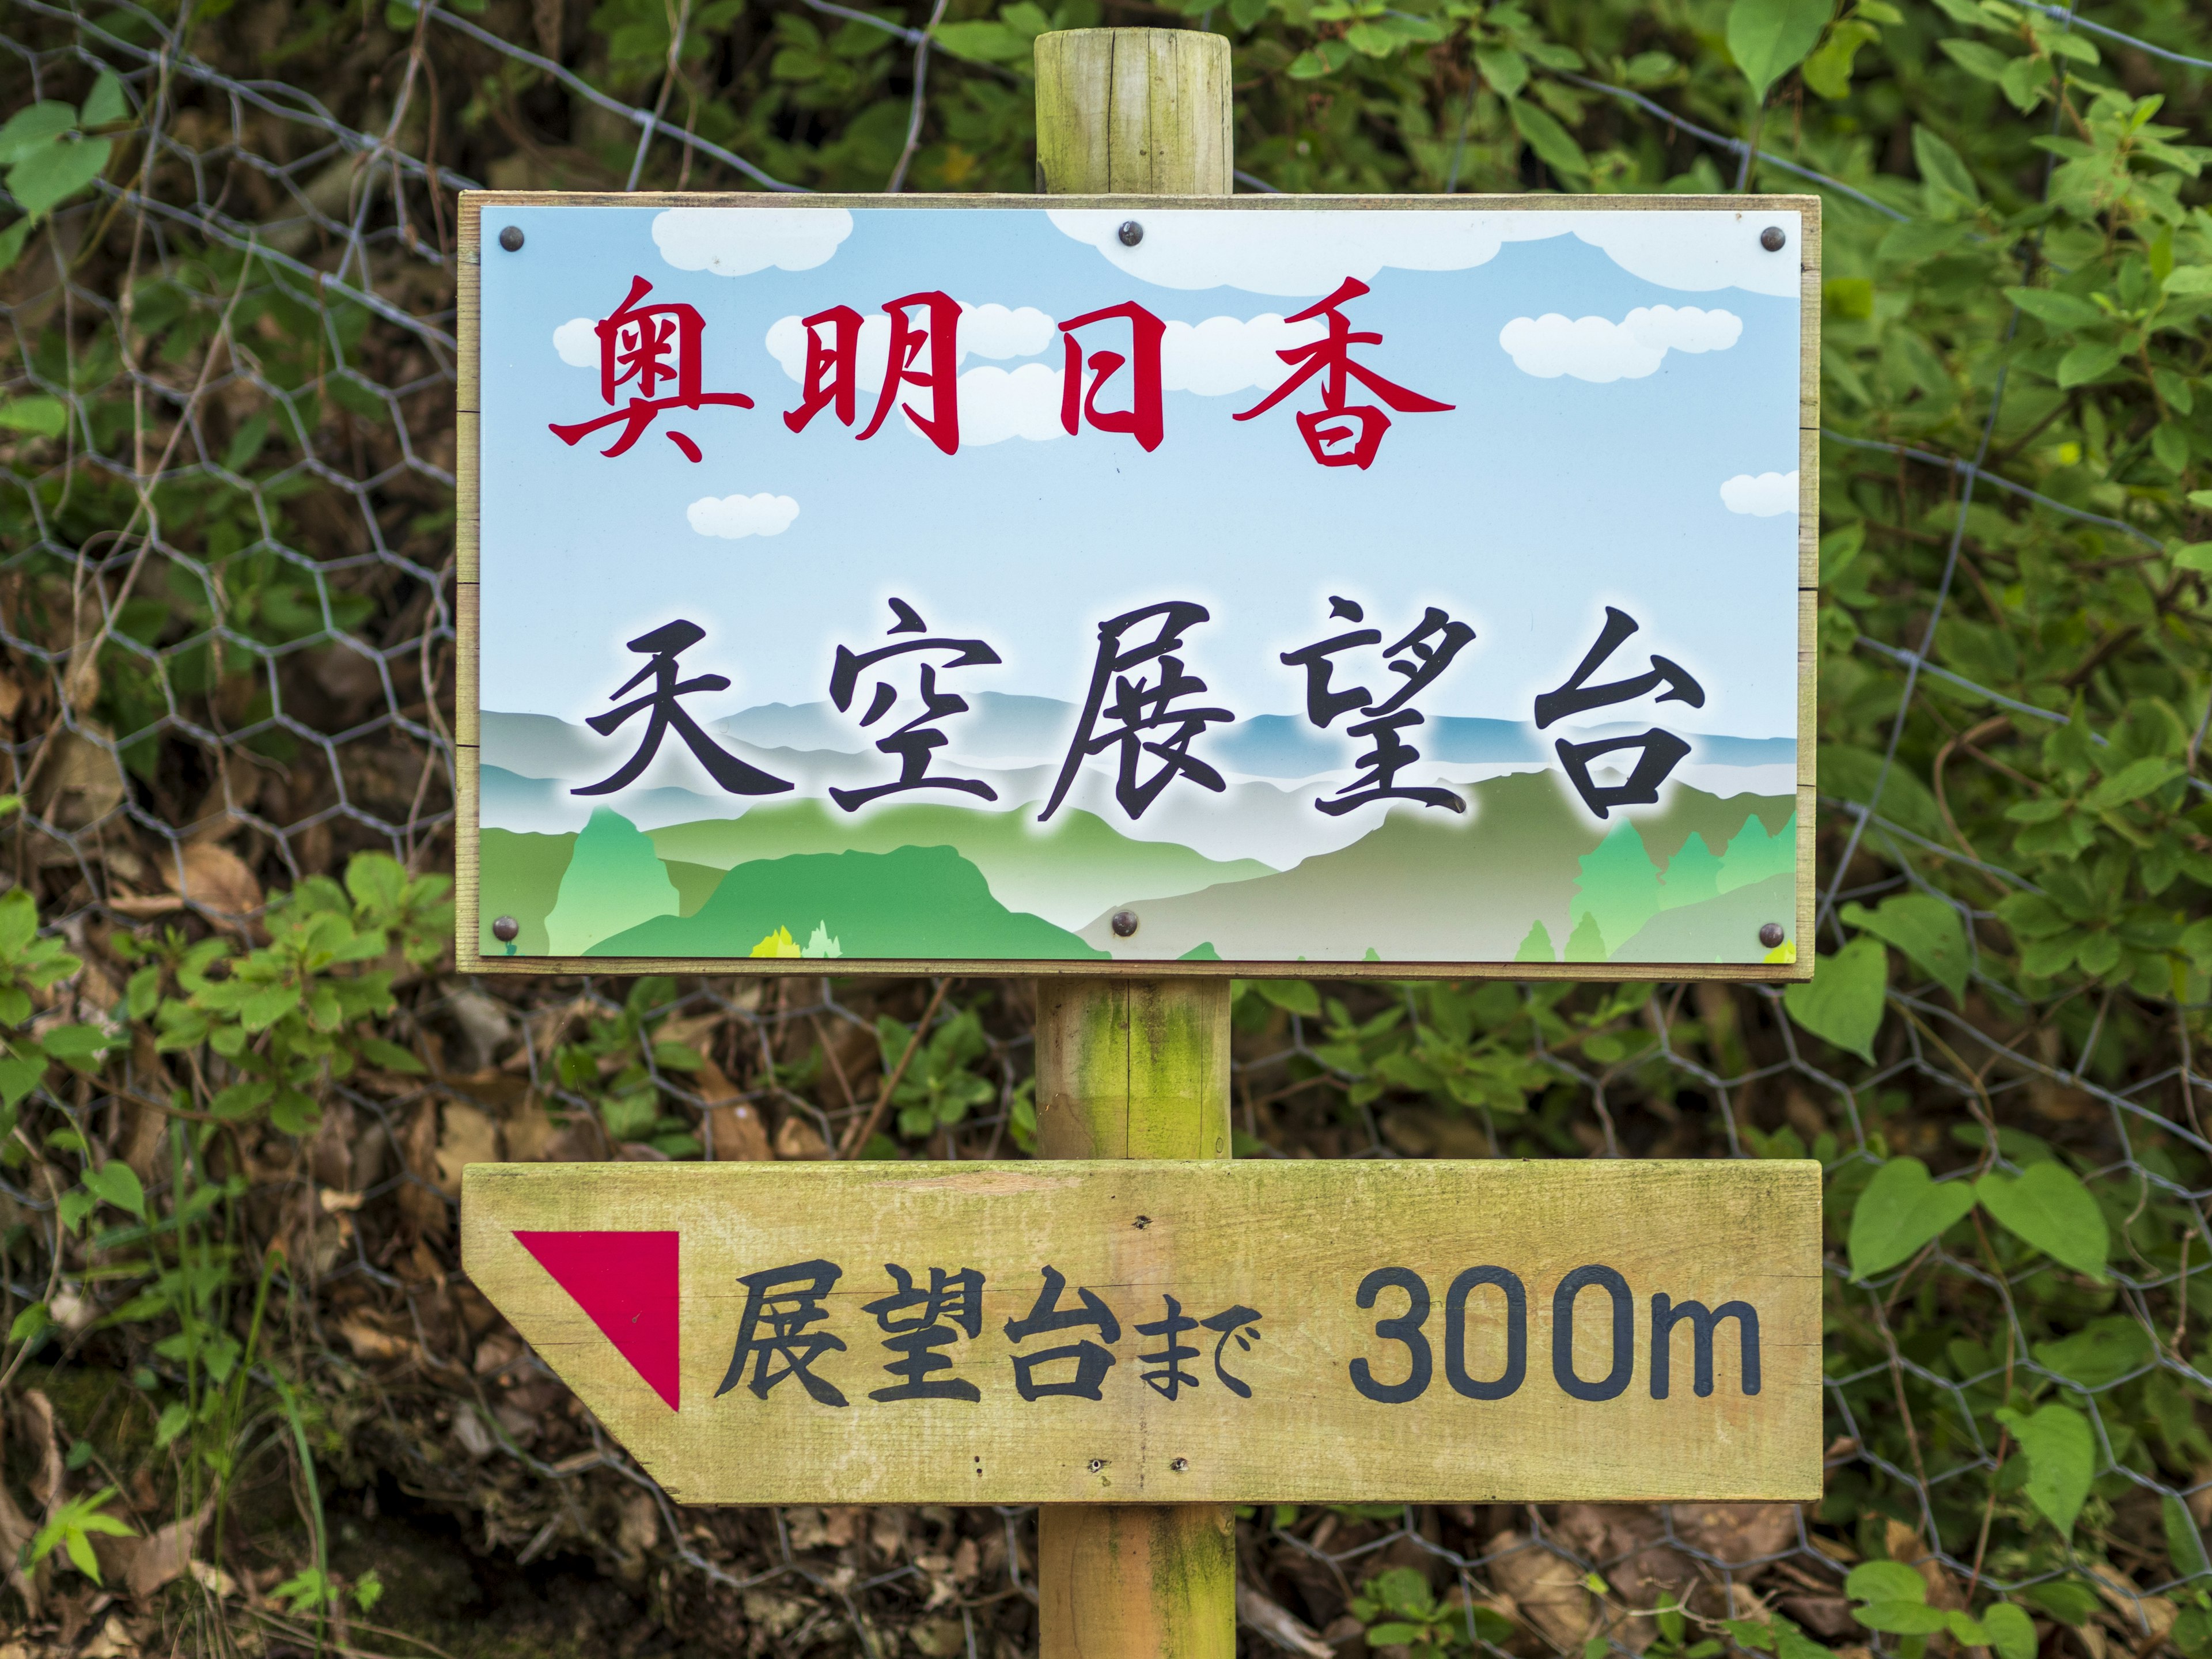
(469, 955)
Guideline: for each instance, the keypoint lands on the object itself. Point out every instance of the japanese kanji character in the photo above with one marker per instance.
(1141, 706)
(1234, 1321)
(913, 742)
(833, 370)
(1424, 652)
(1143, 419)
(933, 1319)
(635, 344)
(1093, 1360)
(1341, 433)
(786, 1300)
(663, 645)
(1168, 1377)
(1658, 751)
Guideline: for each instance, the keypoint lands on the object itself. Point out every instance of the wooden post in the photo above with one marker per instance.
(1134, 1067)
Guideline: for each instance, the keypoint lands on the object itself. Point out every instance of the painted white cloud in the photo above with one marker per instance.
(998, 404)
(995, 332)
(1223, 355)
(735, 516)
(1304, 251)
(1599, 349)
(577, 340)
(736, 241)
(1765, 496)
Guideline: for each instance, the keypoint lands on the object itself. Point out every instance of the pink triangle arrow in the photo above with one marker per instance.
(628, 1282)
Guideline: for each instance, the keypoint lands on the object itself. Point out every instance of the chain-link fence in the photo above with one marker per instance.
(227, 366)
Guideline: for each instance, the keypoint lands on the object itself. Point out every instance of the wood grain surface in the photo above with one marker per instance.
(1332, 1414)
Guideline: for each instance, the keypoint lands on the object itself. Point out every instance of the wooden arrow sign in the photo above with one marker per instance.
(1249, 1331)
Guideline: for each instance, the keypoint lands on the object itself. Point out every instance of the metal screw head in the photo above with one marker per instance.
(511, 239)
(504, 928)
(1770, 935)
(1125, 923)
(1772, 237)
(1097, 1464)
(1180, 1465)
(1131, 233)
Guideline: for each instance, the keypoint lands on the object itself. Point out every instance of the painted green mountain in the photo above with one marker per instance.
(1475, 888)
(1072, 868)
(911, 902)
(1716, 929)
(519, 875)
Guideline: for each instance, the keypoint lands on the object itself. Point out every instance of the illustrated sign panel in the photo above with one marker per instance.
(1407, 582)
(1246, 1331)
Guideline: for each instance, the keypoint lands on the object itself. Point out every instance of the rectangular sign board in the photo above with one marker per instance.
(1245, 1331)
(1406, 585)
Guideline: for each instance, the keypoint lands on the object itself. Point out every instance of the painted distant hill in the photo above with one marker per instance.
(915, 902)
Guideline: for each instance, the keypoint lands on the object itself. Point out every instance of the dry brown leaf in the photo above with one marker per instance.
(1904, 1545)
(1279, 1625)
(1627, 1542)
(737, 1134)
(1736, 1534)
(215, 878)
(38, 1420)
(165, 1555)
(79, 782)
(797, 1138)
(371, 1344)
(1548, 1589)
(466, 1136)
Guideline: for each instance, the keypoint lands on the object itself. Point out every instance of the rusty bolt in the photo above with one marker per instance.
(1770, 935)
(511, 239)
(1772, 238)
(504, 928)
(1125, 923)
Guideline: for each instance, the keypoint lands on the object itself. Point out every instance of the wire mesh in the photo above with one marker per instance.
(225, 598)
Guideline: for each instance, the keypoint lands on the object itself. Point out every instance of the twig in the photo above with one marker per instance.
(857, 1137)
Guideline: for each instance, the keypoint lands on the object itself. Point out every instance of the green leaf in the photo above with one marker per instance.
(1297, 995)
(105, 104)
(2050, 1208)
(34, 128)
(2061, 1455)
(1901, 1209)
(1902, 1618)
(1885, 1581)
(982, 42)
(390, 1056)
(46, 177)
(1941, 166)
(176, 1418)
(1554, 146)
(1967, 1632)
(2185, 1545)
(1505, 70)
(2090, 360)
(2132, 783)
(30, 1324)
(1928, 931)
(1842, 1001)
(1848, 297)
(1983, 61)
(2185, 279)
(116, 1182)
(2012, 1633)
(47, 416)
(2048, 305)
(1770, 38)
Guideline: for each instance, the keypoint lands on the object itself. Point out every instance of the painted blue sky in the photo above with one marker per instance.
(1525, 510)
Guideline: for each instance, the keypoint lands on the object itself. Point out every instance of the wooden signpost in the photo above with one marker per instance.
(1138, 1346)
(1209, 1332)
